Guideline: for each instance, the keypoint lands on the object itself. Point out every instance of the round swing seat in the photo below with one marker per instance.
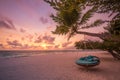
(88, 61)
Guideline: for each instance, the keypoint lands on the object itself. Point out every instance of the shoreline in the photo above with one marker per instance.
(58, 67)
(22, 53)
(74, 50)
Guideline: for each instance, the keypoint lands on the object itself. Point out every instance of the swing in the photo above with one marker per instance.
(88, 61)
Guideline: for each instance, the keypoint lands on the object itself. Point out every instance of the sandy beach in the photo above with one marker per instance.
(58, 67)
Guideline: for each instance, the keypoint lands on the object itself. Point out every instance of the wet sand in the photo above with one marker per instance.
(58, 67)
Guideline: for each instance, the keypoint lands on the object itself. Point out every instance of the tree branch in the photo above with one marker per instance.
(90, 34)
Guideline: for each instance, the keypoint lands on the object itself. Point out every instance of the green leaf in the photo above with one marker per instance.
(87, 16)
(61, 30)
(95, 24)
(69, 17)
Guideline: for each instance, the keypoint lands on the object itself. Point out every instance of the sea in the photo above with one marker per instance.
(27, 53)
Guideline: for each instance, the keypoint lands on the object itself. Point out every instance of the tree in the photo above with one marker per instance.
(71, 21)
(110, 43)
(106, 6)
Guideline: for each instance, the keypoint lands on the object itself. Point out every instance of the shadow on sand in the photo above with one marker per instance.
(90, 69)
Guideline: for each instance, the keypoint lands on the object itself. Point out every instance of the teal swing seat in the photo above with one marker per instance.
(88, 61)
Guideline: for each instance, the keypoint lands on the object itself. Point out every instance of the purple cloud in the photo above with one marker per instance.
(38, 40)
(43, 20)
(70, 48)
(66, 44)
(49, 27)
(1, 46)
(6, 23)
(46, 39)
(30, 37)
(56, 46)
(22, 30)
(26, 46)
(49, 39)
(14, 43)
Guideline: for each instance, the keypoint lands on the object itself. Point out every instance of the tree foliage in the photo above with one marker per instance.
(111, 42)
(106, 6)
(71, 20)
(69, 17)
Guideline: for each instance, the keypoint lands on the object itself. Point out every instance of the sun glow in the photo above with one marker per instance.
(44, 45)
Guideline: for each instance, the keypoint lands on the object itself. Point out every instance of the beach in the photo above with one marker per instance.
(58, 67)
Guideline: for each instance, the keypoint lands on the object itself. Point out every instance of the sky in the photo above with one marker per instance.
(26, 25)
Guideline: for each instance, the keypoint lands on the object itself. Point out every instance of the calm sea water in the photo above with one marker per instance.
(10, 54)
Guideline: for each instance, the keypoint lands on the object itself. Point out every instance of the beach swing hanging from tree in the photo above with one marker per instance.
(87, 61)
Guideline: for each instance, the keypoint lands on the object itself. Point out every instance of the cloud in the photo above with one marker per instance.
(17, 45)
(6, 23)
(1, 46)
(66, 44)
(43, 20)
(22, 30)
(25, 46)
(14, 43)
(49, 47)
(33, 47)
(35, 34)
(48, 39)
(56, 46)
(49, 27)
(22, 38)
(70, 48)
(53, 47)
(38, 40)
(30, 37)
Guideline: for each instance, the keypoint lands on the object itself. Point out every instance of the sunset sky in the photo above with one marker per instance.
(26, 25)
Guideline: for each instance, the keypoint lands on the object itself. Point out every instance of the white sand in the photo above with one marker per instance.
(58, 67)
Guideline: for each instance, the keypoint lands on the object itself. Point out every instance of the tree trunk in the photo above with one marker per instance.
(100, 35)
(115, 54)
